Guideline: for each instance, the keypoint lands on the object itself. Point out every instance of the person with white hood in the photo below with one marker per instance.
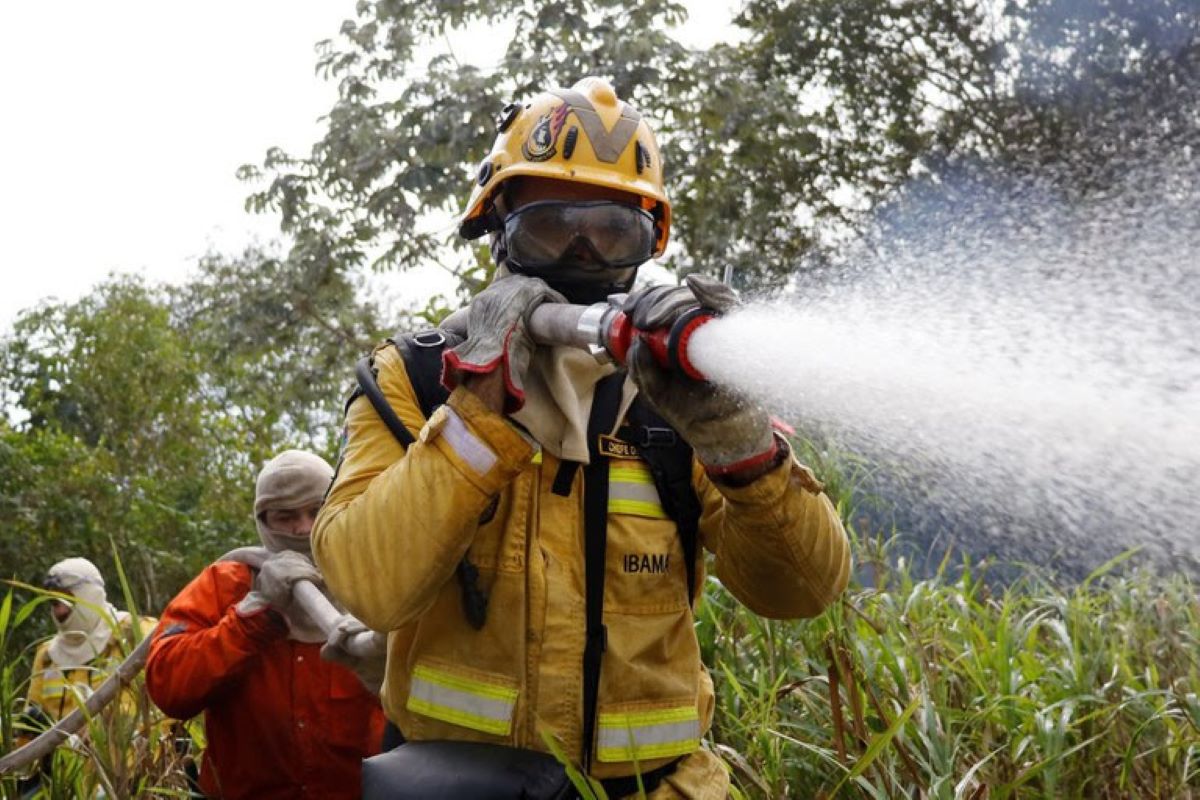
(280, 721)
(88, 645)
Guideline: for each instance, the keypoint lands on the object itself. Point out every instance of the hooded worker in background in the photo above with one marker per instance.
(533, 540)
(280, 722)
(89, 645)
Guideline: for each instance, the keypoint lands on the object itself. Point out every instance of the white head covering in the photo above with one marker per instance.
(293, 479)
(87, 630)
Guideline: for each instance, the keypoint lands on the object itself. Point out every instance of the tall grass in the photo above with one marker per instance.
(126, 751)
(947, 688)
(942, 687)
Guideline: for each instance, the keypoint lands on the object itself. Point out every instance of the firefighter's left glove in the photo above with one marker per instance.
(370, 666)
(498, 336)
(273, 584)
(728, 432)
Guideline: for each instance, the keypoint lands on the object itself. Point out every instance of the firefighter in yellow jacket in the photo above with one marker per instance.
(90, 643)
(86, 648)
(525, 549)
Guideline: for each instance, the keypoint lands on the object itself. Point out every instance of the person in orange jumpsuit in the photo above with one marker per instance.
(280, 721)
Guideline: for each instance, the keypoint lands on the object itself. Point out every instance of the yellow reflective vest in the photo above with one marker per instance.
(58, 692)
(396, 525)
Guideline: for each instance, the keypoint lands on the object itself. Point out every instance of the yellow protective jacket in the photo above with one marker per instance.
(58, 692)
(396, 525)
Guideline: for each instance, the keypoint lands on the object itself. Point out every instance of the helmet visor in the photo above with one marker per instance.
(591, 235)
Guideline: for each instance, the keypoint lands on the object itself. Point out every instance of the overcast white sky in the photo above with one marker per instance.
(123, 123)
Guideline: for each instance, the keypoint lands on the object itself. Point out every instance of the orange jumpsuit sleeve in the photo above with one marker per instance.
(395, 523)
(201, 643)
(779, 543)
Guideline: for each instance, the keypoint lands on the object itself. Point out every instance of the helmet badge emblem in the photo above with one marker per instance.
(540, 146)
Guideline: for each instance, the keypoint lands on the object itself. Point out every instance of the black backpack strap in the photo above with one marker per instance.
(605, 405)
(670, 461)
(422, 354)
(368, 386)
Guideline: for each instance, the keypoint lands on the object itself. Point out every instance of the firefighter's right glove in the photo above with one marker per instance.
(370, 667)
(498, 336)
(273, 584)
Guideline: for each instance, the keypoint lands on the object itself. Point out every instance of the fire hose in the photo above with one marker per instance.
(310, 600)
(603, 328)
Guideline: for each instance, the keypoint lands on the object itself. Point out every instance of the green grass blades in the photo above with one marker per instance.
(921, 685)
(128, 750)
(951, 688)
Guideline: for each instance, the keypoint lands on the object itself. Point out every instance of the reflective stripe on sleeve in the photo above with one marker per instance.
(467, 445)
(631, 490)
(641, 735)
(480, 706)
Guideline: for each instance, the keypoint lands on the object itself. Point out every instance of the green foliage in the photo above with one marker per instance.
(140, 415)
(778, 142)
(946, 689)
(1094, 83)
(821, 110)
(127, 750)
(403, 137)
(108, 435)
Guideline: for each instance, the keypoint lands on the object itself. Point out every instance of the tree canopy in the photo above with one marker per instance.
(140, 412)
(138, 416)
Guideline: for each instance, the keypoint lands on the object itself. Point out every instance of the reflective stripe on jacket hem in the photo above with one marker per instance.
(642, 735)
(452, 698)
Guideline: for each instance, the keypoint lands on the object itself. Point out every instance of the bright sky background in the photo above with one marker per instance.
(123, 124)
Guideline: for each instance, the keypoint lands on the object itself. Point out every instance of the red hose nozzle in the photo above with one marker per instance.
(605, 325)
(669, 345)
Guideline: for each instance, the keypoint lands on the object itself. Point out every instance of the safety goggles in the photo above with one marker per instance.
(594, 234)
(64, 582)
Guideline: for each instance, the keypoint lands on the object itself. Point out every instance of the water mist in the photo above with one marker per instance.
(1026, 362)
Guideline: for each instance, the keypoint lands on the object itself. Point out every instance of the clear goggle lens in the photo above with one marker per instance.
(600, 234)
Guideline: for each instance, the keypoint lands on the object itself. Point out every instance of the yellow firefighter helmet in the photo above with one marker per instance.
(584, 134)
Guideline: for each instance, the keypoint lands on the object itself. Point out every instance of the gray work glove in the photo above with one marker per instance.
(727, 432)
(497, 336)
(370, 667)
(274, 581)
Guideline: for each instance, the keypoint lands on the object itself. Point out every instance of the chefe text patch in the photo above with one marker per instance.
(612, 447)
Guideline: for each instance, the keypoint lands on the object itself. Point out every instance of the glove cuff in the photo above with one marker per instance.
(251, 605)
(455, 364)
(453, 368)
(772, 457)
